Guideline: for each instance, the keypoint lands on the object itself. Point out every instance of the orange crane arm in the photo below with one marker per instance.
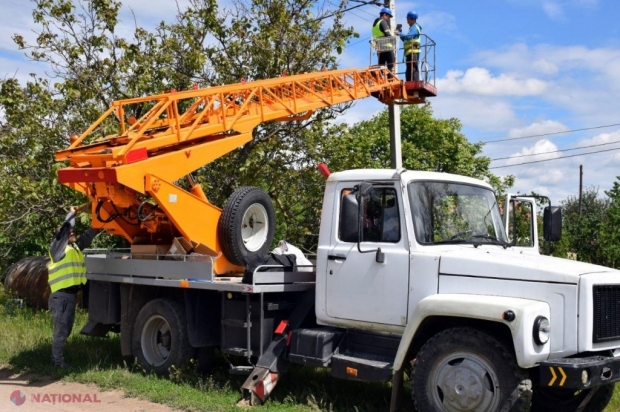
(181, 132)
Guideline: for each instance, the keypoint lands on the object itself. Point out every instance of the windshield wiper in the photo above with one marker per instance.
(450, 241)
(494, 240)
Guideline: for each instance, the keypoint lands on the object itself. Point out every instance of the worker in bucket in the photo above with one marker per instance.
(381, 28)
(66, 277)
(411, 45)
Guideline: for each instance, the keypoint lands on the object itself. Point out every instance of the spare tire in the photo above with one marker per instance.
(247, 224)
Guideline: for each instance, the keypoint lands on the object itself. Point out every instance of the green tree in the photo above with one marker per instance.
(610, 235)
(92, 65)
(427, 144)
(583, 233)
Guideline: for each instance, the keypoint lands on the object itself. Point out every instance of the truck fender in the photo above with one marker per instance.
(488, 308)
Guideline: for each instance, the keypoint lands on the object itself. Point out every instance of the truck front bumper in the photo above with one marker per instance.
(580, 373)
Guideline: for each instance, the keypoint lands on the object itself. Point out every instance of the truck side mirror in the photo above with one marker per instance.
(349, 219)
(552, 223)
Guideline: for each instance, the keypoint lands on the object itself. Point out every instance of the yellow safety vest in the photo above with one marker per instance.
(376, 32)
(70, 271)
(413, 45)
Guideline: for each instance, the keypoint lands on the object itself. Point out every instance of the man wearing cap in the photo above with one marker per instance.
(66, 277)
(411, 45)
(381, 28)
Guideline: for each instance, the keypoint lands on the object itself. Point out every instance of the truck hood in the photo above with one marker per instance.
(496, 262)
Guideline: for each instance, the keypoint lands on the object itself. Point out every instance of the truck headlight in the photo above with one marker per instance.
(542, 330)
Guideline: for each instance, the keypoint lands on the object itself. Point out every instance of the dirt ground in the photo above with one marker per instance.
(43, 394)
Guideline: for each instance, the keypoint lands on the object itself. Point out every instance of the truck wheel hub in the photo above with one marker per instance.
(465, 383)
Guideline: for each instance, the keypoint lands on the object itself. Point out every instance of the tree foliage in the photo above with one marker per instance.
(91, 63)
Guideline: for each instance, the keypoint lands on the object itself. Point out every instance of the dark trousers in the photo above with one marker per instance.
(388, 59)
(62, 306)
(413, 71)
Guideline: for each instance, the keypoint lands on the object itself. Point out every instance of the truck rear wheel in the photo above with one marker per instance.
(247, 224)
(159, 338)
(463, 369)
(567, 400)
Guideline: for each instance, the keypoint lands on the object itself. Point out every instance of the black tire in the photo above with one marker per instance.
(159, 338)
(566, 400)
(463, 369)
(241, 229)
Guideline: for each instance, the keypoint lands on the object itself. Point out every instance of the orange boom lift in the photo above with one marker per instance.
(128, 166)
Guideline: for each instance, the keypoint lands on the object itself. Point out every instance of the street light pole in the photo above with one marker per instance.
(396, 159)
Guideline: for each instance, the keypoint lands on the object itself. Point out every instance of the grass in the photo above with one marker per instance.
(26, 347)
(26, 337)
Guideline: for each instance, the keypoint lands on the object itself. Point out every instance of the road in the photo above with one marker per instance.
(27, 393)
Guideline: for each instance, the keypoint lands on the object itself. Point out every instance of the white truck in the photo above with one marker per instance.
(414, 274)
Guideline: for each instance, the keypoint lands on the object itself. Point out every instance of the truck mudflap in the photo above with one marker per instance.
(580, 373)
(272, 363)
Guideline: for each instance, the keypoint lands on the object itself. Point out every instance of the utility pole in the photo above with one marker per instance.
(396, 156)
(580, 187)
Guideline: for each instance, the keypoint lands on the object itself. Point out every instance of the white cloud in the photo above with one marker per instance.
(601, 139)
(434, 21)
(540, 151)
(545, 67)
(486, 113)
(553, 10)
(478, 80)
(538, 128)
(552, 177)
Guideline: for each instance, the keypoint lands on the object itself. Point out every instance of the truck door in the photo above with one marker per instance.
(521, 223)
(357, 286)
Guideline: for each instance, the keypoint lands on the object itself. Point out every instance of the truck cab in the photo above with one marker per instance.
(465, 302)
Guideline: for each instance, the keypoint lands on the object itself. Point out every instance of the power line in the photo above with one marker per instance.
(363, 3)
(556, 158)
(358, 42)
(554, 151)
(550, 134)
(351, 12)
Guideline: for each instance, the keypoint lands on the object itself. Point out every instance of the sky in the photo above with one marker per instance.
(508, 69)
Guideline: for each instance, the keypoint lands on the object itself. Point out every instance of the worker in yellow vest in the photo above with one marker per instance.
(381, 28)
(66, 277)
(411, 45)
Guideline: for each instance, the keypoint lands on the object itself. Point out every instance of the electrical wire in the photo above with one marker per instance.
(554, 151)
(345, 10)
(355, 14)
(557, 158)
(550, 134)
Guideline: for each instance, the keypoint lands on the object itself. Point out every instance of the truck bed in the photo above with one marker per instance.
(190, 272)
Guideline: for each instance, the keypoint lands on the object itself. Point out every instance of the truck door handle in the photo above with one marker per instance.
(334, 257)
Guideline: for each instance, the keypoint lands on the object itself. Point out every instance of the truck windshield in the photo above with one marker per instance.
(455, 213)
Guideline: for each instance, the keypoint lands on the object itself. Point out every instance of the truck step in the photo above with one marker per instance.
(236, 351)
(235, 323)
(361, 367)
(240, 370)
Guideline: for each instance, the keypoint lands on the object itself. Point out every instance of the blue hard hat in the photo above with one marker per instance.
(412, 15)
(386, 11)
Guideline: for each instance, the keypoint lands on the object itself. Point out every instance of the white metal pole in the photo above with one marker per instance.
(396, 157)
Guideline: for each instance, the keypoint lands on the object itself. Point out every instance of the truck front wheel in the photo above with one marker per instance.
(463, 369)
(567, 400)
(247, 224)
(159, 338)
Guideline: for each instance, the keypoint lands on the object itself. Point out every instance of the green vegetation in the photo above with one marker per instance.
(26, 347)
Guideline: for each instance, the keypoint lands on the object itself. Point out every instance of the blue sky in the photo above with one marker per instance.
(505, 68)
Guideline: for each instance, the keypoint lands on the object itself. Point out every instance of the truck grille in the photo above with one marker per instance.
(606, 313)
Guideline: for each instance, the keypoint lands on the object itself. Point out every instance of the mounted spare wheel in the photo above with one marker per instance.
(247, 224)
(159, 338)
